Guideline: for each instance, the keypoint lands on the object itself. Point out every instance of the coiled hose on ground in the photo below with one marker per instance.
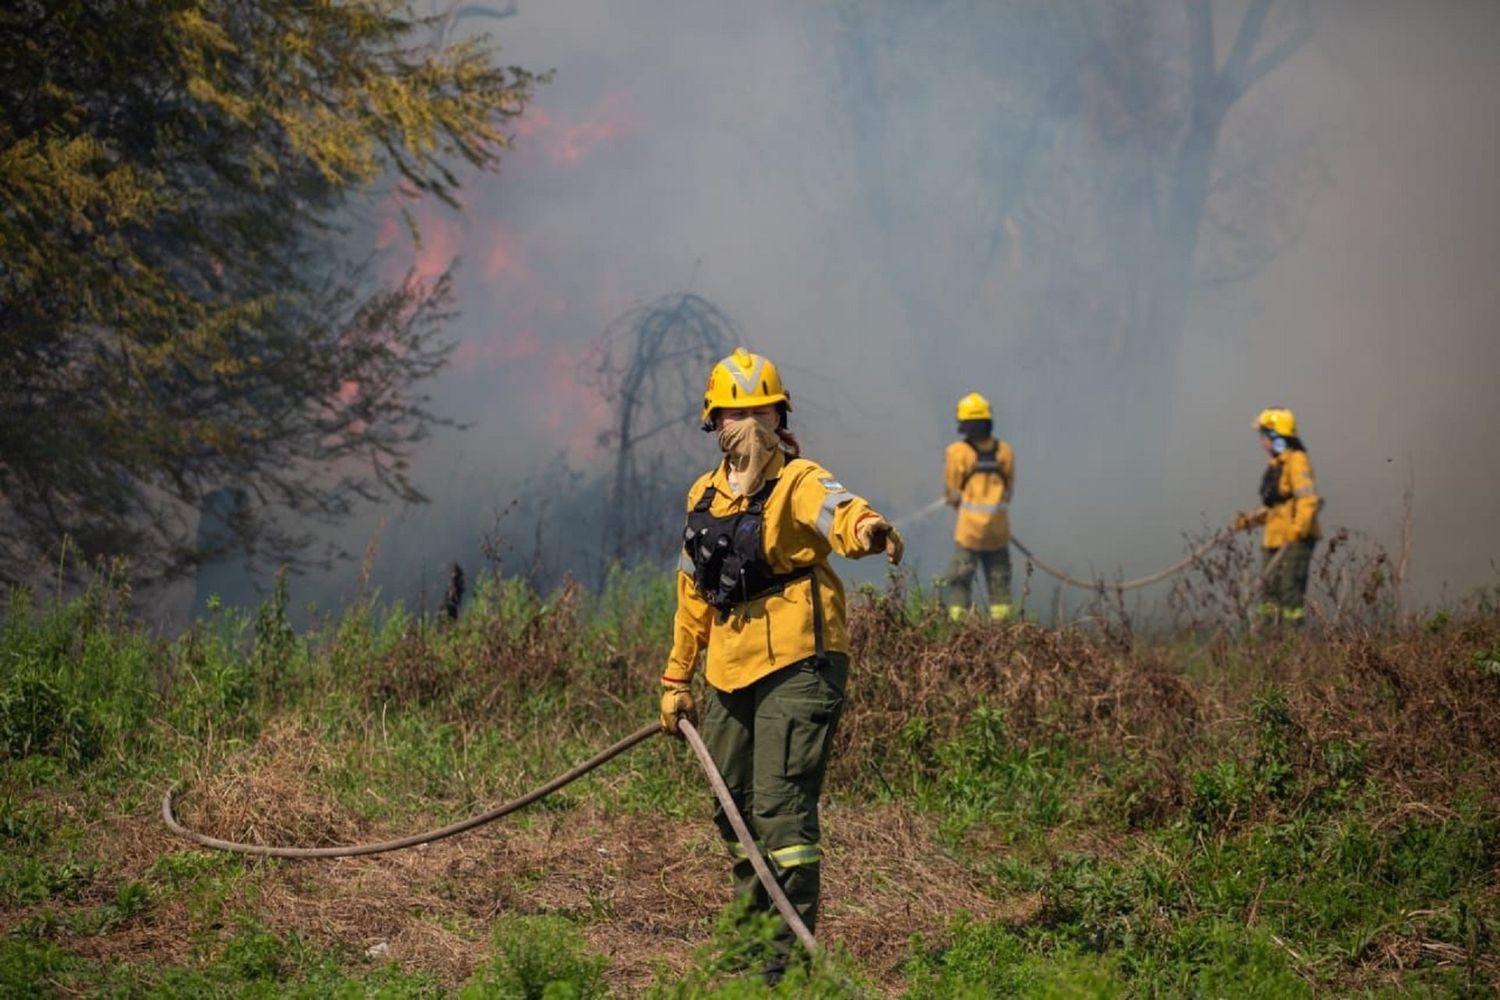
(715, 780)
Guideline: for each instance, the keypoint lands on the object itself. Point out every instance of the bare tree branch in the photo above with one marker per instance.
(1245, 41)
(1202, 60)
(1268, 63)
(648, 365)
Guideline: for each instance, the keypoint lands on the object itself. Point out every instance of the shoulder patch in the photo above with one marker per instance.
(831, 485)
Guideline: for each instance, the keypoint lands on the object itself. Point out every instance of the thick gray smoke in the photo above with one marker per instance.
(901, 203)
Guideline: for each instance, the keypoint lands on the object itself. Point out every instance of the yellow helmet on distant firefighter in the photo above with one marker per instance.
(974, 407)
(742, 381)
(1277, 420)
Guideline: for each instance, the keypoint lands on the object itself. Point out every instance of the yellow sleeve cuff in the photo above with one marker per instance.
(674, 677)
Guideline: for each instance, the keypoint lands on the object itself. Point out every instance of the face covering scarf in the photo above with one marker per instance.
(750, 446)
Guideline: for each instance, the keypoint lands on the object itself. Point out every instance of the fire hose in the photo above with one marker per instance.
(1099, 584)
(694, 741)
(715, 780)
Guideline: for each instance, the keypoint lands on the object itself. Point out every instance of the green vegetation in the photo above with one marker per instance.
(537, 957)
(1013, 810)
(179, 184)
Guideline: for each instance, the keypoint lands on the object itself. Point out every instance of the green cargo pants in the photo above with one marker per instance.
(771, 742)
(960, 580)
(1286, 587)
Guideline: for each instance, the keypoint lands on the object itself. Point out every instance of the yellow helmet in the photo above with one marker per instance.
(742, 380)
(1278, 420)
(974, 407)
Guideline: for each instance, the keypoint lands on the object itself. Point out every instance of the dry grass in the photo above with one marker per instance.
(646, 890)
(270, 793)
(1428, 715)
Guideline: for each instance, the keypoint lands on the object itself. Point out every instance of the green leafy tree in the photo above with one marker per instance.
(179, 315)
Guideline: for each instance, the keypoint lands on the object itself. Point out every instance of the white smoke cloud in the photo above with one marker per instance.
(710, 143)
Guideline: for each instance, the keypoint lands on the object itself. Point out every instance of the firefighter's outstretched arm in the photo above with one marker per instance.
(1247, 519)
(876, 534)
(851, 527)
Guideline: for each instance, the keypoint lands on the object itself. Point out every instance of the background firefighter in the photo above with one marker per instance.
(757, 598)
(979, 476)
(1289, 511)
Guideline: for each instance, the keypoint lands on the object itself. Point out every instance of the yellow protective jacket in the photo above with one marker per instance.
(1295, 517)
(808, 515)
(983, 523)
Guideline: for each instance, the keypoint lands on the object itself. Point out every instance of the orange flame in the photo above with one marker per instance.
(472, 356)
(568, 143)
(526, 311)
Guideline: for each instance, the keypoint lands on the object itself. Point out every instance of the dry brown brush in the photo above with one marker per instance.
(1418, 702)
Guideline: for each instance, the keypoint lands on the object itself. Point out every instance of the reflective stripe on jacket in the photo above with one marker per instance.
(808, 515)
(983, 523)
(1295, 517)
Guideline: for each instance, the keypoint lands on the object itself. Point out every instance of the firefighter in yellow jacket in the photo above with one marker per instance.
(1289, 511)
(979, 475)
(759, 602)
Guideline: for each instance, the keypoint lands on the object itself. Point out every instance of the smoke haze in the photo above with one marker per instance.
(726, 149)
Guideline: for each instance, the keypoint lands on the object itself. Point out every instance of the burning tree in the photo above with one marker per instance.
(177, 182)
(650, 365)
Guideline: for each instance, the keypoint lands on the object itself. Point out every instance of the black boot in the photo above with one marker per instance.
(774, 970)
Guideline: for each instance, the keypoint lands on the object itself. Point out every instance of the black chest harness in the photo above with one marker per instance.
(986, 460)
(1270, 486)
(730, 567)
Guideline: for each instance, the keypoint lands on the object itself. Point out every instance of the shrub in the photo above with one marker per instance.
(537, 958)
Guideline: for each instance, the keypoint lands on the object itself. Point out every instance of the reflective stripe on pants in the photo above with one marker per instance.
(959, 582)
(771, 742)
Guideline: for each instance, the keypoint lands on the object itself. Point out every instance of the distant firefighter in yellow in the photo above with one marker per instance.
(979, 475)
(1289, 511)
